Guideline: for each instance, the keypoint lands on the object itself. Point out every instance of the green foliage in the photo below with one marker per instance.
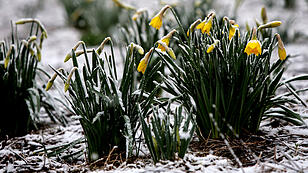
(107, 107)
(95, 18)
(238, 89)
(139, 31)
(21, 96)
(168, 133)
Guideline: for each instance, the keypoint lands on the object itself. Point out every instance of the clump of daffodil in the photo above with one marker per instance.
(166, 40)
(193, 26)
(144, 61)
(138, 13)
(272, 24)
(51, 80)
(206, 25)
(67, 83)
(254, 45)
(281, 49)
(157, 20)
(212, 46)
(167, 49)
(7, 57)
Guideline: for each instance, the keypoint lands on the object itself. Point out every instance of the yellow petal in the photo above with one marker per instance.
(253, 47)
(282, 54)
(142, 65)
(210, 49)
(6, 62)
(49, 85)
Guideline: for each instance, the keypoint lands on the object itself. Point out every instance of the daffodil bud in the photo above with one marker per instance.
(212, 46)
(32, 38)
(8, 54)
(30, 20)
(166, 40)
(193, 26)
(67, 83)
(38, 52)
(272, 24)
(281, 49)
(138, 14)
(144, 61)
(138, 48)
(122, 5)
(168, 49)
(264, 15)
(52, 79)
(101, 47)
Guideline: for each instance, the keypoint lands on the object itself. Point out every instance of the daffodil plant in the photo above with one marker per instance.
(168, 133)
(107, 107)
(21, 95)
(231, 77)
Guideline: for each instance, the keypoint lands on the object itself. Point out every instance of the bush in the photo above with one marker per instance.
(107, 107)
(218, 76)
(168, 133)
(21, 96)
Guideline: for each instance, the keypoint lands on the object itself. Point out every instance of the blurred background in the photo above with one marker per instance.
(68, 21)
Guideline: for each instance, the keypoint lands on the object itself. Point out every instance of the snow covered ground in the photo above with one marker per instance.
(290, 151)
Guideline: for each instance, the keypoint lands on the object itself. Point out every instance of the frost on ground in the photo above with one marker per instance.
(285, 150)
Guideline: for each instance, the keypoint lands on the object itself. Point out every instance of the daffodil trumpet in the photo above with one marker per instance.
(254, 45)
(157, 20)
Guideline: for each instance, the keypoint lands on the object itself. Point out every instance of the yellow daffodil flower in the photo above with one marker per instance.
(193, 26)
(157, 20)
(254, 45)
(232, 30)
(144, 61)
(281, 49)
(168, 49)
(166, 40)
(206, 25)
(212, 46)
